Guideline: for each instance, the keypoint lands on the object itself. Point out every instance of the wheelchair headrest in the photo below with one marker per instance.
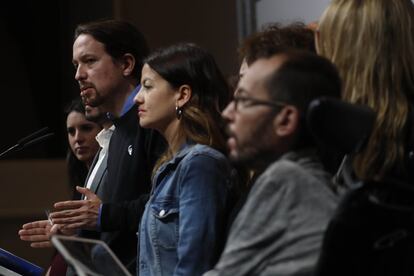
(339, 125)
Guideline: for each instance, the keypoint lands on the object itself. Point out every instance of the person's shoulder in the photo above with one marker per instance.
(294, 173)
(202, 151)
(299, 179)
(283, 168)
(204, 158)
(305, 163)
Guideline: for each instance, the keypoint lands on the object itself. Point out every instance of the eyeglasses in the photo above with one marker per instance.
(246, 102)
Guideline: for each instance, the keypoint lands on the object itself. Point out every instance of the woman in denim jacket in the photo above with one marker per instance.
(182, 228)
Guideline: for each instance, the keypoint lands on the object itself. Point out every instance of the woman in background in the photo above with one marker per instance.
(372, 45)
(183, 226)
(82, 149)
(82, 144)
(81, 153)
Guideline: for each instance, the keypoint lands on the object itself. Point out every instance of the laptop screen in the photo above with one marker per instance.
(88, 256)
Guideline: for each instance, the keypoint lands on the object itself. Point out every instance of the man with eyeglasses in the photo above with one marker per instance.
(279, 229)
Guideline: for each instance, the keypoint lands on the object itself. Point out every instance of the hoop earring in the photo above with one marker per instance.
(178, 112)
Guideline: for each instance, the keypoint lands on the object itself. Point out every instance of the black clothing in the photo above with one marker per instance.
(371, 233)
(131, 156)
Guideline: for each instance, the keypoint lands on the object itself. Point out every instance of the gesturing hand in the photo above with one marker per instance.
(38, 233)
(78, 214)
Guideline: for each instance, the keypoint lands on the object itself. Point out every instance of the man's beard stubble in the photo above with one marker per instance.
(258, 152)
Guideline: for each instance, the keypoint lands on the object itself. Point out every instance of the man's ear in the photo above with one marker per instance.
(128, 63)
(286, 121)
(184, 93)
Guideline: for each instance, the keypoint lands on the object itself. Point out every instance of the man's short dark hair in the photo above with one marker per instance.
(274, 38)
(119, 38)
(301, 78)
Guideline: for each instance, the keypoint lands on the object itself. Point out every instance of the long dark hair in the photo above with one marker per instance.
(77, 170)
(189, 64)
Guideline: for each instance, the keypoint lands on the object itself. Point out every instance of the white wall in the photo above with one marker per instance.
(287, 11)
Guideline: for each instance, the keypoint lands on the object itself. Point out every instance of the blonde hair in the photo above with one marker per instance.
(372, 44)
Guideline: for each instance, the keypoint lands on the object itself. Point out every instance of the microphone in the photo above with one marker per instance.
(31, 139)
(37, 140)
(33, 135)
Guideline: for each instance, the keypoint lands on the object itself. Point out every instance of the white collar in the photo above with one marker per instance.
(104, 136)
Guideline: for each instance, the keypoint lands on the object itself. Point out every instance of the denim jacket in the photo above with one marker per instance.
(182, 228)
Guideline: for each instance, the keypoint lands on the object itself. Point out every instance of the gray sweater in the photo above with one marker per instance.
(279, 230)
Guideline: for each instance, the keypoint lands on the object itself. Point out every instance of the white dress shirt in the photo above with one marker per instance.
(103, 138)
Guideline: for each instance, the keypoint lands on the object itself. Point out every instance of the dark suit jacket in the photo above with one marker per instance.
(96, 187)
(131, 156)
(100, 176)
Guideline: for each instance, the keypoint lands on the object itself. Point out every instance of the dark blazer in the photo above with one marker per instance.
(96, 187)
(100, 176)
(132, 154)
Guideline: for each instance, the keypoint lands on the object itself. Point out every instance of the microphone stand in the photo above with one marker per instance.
(32, 139)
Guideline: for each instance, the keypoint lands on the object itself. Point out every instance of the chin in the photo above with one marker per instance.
(144, 124)
(233, 156)
(81, 158)
(241, 157)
